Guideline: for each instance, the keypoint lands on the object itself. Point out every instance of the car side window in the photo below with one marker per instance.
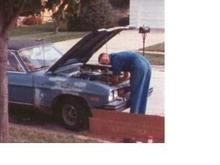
(13, 64)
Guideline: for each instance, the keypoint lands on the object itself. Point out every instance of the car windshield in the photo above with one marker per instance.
(39, 57)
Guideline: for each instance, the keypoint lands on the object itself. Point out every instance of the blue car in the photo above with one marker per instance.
(40, 76)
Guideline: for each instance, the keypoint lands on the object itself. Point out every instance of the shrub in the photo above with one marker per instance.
(32, 20)
(94, 15)
(124, 21)
(120, 3)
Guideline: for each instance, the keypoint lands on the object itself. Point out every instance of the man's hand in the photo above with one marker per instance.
(125, 77)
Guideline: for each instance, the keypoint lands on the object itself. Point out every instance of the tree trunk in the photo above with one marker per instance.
(56, 26)
(55, 19)
(4, 135)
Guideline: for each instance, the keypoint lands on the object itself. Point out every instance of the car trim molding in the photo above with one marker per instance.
(16, 72)
(16, 102)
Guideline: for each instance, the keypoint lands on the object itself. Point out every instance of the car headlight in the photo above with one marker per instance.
(110, 96)
(113, 95)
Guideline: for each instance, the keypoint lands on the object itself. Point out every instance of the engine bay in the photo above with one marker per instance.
(92, 72)
(95, 73)
(89, 72)
(98, 73)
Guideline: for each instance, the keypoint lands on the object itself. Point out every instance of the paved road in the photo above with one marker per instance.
(132, 40)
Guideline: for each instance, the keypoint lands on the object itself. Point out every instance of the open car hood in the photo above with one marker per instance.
(86, 47)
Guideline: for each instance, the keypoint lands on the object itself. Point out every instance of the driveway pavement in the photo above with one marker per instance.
(132, 40)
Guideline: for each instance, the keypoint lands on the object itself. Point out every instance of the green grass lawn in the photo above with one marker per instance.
(157, 55)
(155, 59)
(27, 135)
(44, 31)
(157, 47)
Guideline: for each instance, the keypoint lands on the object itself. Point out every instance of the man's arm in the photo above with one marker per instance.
(117, 79)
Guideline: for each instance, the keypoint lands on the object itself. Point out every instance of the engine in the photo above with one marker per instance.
(95, 73)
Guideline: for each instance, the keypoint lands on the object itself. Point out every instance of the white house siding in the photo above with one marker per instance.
(147, 12)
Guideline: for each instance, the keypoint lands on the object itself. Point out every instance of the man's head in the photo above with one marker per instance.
(104, 59)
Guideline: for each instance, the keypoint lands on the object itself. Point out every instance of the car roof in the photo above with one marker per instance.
(20, 44)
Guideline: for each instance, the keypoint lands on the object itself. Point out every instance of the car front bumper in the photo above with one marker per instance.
(122, 103)
(118, 105)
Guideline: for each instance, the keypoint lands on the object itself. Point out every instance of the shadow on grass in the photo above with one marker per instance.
(32, 126)
(29, 116)
(34, 118)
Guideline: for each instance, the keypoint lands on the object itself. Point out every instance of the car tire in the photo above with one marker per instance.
(74, 114)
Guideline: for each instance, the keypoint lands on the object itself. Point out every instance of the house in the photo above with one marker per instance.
(147, 12)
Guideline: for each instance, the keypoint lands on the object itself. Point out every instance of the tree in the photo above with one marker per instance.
(9, 12)
(32, 7)
(61, 9)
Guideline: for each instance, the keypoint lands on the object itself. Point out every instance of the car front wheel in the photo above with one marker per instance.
(73, 114)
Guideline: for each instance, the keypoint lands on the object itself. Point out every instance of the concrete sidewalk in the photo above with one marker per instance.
(156, 100)
(132, 40)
